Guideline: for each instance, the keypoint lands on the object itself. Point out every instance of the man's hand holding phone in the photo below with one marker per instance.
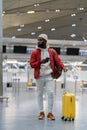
(45, 60)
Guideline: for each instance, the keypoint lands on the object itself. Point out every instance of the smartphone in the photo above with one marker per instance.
(47, 59)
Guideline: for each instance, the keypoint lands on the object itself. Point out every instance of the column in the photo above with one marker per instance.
(1, 80)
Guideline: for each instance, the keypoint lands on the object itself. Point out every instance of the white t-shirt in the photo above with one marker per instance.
(45, 68)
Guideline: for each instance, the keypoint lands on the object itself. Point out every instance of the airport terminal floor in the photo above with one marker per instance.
(20, 112)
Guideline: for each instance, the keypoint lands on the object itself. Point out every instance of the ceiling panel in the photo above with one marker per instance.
(15, 15)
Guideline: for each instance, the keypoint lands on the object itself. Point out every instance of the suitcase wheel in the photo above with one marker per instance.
(62, 117)
(72, 119)
(65, 119)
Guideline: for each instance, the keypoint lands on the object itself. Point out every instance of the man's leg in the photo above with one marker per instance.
(40, 90)
(50, 92)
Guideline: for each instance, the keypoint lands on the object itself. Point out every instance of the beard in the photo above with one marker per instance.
(42, 45)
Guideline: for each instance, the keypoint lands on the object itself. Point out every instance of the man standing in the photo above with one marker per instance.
(42, 61)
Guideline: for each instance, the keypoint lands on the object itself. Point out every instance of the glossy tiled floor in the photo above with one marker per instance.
(21, 111)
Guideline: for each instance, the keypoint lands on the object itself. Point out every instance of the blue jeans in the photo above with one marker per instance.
(47, 83)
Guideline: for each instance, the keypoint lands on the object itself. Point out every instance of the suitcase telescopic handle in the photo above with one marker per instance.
(64, 85)
(64, 80)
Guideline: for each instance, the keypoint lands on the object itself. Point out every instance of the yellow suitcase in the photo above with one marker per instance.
(68, 106)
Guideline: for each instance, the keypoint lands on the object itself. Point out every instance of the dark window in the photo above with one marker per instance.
(20, 49)
(4, 49)
(72, 51)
